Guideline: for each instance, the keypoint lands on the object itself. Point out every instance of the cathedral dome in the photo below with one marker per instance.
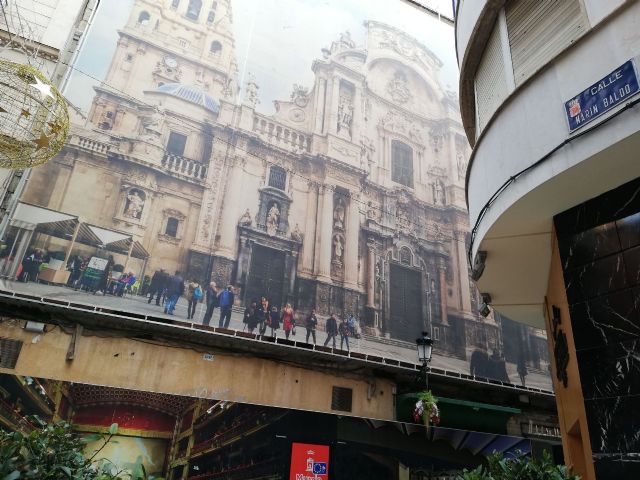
(191, 94)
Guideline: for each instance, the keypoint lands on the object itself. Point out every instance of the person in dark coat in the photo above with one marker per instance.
(311, 323)
(249, 318)
(105, 278)
(274, 320)
(261, 314)
(211, 297)
(331, 328)
(157, 286)
(522, 367)
(344, 331)
(175, 288)
(479, 364)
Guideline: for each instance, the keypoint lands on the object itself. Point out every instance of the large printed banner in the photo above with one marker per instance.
(292, 168)
(309, 462)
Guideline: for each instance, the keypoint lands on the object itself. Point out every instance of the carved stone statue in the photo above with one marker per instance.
(296, 234)
(345, 114)
(273, 218)
(367, 150)
(462, 165)
(397, 88)
(135, 204)
(338, 247)
(438, 192)
(251, 93)
(345, 40)
(151, 124)
(245, 219)
(338, 215)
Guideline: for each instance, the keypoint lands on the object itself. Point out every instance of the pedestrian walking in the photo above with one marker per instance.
(226, 299)
(311, 323)
(274, 321)
(288, 320)
(262, 314)
(105, 278)
(212, 302)
(194, 295)
(522, 367)
(157, 286)
(249, 317)
(175, 288)
(345, 332)
(331, 328)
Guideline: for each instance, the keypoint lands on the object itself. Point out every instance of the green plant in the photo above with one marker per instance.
(519, 468)
(55, 452)
(426, 409)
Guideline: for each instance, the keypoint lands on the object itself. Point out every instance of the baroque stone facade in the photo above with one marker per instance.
(349, 199)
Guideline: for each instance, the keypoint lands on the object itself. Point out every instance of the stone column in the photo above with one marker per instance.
(463, 272)
(308, 245)
(351, 245)
(231, 210)
(321, 105)
(443, 290)
(371, 273)
(333, 107)
(356, 121)
(323, 236)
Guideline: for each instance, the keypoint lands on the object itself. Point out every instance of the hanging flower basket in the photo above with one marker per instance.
(34, 120)
(426, 410)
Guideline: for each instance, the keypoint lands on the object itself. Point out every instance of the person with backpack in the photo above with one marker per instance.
(194, 295)
(212, 302)
(226, 299)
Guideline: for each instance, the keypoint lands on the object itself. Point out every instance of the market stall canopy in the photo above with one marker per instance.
(63, 225)
(44, 220)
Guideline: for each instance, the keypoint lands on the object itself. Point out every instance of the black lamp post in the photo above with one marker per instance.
(424, 345)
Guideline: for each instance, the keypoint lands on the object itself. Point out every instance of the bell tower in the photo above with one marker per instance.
(189, 42)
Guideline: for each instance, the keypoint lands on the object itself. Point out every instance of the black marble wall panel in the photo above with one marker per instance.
(599, 244)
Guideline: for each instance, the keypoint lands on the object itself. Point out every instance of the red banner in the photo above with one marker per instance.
(309, 462)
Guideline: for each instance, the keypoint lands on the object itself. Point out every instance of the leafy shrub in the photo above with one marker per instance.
(519, 468)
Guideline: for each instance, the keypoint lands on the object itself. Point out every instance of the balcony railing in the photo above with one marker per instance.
(280, 135)
(184, 166)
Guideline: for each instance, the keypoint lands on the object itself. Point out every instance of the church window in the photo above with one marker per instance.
(405, 256)
(175, 4)
(436, 333)
(215, 47)
(277, 177)
(143, 18)
(402, 163)
(193, 10)
(211, 17)
(177, 143)
(171, 229)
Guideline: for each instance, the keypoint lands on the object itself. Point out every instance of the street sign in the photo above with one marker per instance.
(602, 96)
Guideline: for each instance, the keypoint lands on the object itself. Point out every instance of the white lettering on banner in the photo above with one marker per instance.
(302, 476)
(621, 93)
(614, 77)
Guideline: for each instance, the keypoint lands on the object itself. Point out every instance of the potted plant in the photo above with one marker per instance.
(520, 467)
(426, 410)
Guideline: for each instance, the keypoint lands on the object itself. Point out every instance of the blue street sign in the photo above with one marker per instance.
(602, 96)
(320, 468)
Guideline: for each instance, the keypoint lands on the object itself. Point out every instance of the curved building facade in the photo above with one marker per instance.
(548, 95)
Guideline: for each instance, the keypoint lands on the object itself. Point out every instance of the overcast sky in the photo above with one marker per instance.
(277, 40)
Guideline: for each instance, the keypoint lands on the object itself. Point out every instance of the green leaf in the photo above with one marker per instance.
(113, 429)
(94, 437)
(13, 475)
(66, 470)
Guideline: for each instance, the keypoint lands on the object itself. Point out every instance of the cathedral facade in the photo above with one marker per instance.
(349, 199)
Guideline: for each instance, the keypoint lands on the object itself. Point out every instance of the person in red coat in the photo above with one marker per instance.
(288, 320)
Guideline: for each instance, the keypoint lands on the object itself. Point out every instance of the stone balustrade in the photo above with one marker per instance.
(280, 135)
(184, 166)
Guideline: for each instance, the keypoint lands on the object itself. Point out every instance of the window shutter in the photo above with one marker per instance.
(539, 30)
(491, 81)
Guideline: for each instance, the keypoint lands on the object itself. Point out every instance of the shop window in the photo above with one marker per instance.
(171, 229)
(277, 177)
(402, 163)
(193, 10)
(177, 143)
(143, 18)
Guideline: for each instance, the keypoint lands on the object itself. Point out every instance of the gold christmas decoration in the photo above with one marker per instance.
(34, 120)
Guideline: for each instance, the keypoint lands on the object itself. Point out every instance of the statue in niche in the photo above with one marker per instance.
(438, 192)
(462, 165)
(345, 40)
(366, 152)
(134, 205)
(273, 218)
(372, 211)
(245, 219)
(296, 234)
(151, 124)
(338, 215)
(402, 218)
(345, 114)
(338, 247)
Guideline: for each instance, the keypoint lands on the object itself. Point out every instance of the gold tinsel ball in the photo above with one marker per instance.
(34, 120)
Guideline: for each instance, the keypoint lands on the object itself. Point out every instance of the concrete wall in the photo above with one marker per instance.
(141, 365)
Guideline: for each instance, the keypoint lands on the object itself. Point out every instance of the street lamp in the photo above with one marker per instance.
(424, 345)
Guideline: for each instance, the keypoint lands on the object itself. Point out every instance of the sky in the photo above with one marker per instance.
(277, 40)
